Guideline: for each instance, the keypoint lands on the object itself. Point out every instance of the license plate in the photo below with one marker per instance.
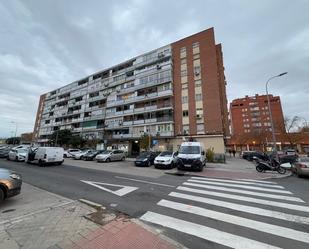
(187, 165)
(51, 159)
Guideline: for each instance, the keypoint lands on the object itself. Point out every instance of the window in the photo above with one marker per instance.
(183, 52)
(47, 121)
(184, 99)
(183, 61)
(185, 129)
(199, 113)
(198, 97)
(183, 49)
(195, 45)
(200, 128)
(184, 72)
(198, 83)
(185, 113)
(197, 70)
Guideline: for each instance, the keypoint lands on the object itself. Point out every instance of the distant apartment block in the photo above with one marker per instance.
(172, 92)
(251, 115)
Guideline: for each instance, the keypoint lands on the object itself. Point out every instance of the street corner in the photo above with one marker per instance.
(123, 232)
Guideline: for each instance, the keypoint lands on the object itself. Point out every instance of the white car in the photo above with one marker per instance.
(17, 154)
(191, 155)
(71, 153)
(111, 155)
(166, 159)
(45, 155)
(79, 156)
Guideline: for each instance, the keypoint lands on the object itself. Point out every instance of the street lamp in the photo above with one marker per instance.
(270, 114)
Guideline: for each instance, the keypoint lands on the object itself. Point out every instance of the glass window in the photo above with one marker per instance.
(189, 150)
(184, 72)
(198, 83)
(184, 99)
(185, 113)
(200, 127)
(184, 86)
(198, 97)
(183, 61)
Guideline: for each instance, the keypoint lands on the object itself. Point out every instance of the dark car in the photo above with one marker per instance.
(10, 184)
(257, 155)
(4, 152)
(91, 155)
(146, 158)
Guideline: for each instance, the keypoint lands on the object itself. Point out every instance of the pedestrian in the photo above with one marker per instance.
(234, 152)
(230, 152)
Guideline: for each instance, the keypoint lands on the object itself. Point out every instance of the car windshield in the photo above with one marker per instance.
(145, 154)
(22, 151)
(189, 150)
(166, 154)
(106, 152)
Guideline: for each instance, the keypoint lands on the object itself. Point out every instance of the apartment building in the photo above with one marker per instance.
(172, 92)
(251, 115)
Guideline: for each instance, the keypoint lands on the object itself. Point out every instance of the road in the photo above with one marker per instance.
(196, 212)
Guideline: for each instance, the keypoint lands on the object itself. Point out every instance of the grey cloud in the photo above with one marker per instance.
(47, 44)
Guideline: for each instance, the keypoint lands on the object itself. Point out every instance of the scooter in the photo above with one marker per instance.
(271, 164)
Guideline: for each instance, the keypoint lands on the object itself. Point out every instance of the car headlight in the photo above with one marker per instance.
(15, 176)
(145, 159)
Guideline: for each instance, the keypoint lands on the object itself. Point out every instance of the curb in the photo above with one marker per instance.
(159, 233)
(185, 173)
(92, 204)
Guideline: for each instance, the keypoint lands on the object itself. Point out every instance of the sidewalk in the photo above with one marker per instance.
(37, 219)
(234, 168)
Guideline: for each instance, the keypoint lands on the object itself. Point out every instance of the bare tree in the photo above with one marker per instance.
(289, 131)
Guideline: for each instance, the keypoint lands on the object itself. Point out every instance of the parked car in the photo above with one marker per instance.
(111, 155)
(71, 152)
(4, 152)
(79, 156)
(166, 159)
(10, 184)
(146, 158)
(91, 155)
(191, 155)
(301, 166)
(290, 152)
(17, 154)
(246, 154)
(45, 155)
(256, 155)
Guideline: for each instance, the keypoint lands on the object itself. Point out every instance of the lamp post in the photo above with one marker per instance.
(270, 114)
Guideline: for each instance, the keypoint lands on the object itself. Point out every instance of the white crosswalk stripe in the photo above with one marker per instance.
(235, 185)
(234, 181)
(281, 197)
(198, 197)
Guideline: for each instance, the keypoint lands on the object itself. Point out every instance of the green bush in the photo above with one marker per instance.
(210, 154)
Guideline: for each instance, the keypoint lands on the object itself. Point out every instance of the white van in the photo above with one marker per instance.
(191, 155)
(45, 155)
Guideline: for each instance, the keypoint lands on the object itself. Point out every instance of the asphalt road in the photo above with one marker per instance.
(197, 213)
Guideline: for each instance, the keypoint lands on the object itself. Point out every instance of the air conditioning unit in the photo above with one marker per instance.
(118, 90)
(160, 55)
(159, 67)
(106, 84)
(199, 116)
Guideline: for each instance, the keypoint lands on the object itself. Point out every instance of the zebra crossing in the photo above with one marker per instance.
(250, 209)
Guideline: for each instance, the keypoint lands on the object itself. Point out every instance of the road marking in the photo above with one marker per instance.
(235, 185)
(250, 180)
(120, 192)
(244, 208)
(137, 180)
(248, 199)
(274, 196)
(241, 182)
(207, 233)
(237, 220)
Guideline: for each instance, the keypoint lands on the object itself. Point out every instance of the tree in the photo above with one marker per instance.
(145, 142)
(289, 131)
(61, 137)
(77, 141)
(12, 140)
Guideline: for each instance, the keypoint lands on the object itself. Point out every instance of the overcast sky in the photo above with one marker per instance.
(47, 44)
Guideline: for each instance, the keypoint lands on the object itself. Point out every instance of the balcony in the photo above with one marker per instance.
(125, 123)
(120, 136)
(152, 120)
(142, 121)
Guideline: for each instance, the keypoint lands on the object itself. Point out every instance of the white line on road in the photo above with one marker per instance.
(251, 180)
(248, 199)
(244, 208)
(207, 233)
(236, 186)
(239, 221)
(233, 181)
(137, 180)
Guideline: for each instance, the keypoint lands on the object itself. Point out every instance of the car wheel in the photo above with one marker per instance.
(107, 160)
(65, 156)
(172, 165)
(122, 159)
(41, 163)
(81, 158)
(8, 158)
(148, 164)
(1, 195)
(16, 158)
(59, 163)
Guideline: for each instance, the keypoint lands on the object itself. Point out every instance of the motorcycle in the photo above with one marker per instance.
(271, 164)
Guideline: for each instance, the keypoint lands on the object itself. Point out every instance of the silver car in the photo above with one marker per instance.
(17, 154)
(111, 155)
